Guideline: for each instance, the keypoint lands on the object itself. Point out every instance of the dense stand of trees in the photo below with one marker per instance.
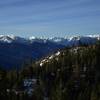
(73, 75)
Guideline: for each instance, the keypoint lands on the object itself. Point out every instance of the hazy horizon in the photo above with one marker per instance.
(46, 37)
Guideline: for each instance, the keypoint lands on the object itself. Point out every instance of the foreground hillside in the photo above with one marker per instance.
(69, 74)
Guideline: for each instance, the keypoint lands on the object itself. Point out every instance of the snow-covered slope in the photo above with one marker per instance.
(49, 58)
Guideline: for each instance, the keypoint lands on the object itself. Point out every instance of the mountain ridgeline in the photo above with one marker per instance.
(72, 73)
(16, 51)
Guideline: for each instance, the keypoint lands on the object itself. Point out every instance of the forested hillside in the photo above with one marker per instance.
(73, 74)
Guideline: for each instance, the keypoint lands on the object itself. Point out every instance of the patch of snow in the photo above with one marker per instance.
(29, 82)
(29, 85)
(58, 53)
(41, 64)
(32, 38)
(44, 60)
(51, 57)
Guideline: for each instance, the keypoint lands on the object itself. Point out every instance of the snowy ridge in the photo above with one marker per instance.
(49, 58)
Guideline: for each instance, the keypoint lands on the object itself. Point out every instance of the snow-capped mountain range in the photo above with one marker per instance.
(15, 50)
(67, 41)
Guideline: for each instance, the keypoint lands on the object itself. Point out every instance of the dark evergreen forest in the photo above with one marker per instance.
(73, 75)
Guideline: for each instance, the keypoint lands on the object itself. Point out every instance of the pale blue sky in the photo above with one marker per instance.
(49, 17)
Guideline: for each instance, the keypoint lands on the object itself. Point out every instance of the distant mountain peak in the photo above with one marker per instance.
(7, 38)
(12, 38)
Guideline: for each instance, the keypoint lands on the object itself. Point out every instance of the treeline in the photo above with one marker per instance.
(73, 75)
